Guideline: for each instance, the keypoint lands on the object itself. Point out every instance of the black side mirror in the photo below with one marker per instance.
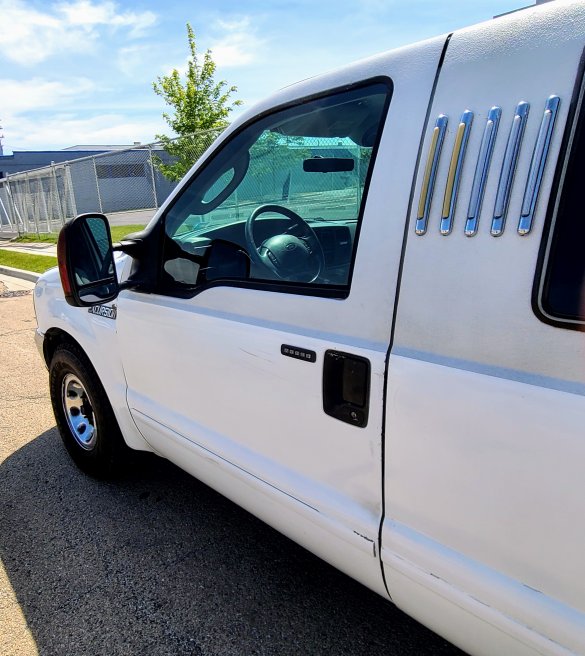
(86, 261)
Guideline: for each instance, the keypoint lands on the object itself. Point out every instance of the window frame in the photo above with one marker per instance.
(575, 123)
(287, 287)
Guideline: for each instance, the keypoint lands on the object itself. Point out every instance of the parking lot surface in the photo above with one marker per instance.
(155, 563)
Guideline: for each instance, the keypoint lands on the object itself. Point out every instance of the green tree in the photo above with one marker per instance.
(201, 109)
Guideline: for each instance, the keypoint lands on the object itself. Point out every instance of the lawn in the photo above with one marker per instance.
(118, 232)
(40, 263)
(26, 261)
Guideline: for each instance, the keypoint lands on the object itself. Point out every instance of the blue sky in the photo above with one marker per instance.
(81, 71)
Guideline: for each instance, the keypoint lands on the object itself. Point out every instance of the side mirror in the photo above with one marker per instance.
(86, 261)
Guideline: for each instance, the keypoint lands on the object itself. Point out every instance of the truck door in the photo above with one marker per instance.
(483, 536)
(262, 371)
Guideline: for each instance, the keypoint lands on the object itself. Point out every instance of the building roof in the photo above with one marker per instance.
(90, 147)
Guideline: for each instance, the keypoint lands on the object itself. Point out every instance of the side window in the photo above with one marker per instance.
(561, 288)
(284, 196)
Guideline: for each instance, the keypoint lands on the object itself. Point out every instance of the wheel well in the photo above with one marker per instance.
(54, 337)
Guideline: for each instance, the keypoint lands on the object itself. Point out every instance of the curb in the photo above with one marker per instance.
(52, 252)
(19, 273)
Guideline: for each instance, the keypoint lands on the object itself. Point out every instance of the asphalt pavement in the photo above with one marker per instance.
(155, 563)
(10, 285)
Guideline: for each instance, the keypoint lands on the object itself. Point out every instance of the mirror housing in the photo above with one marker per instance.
(86, 261)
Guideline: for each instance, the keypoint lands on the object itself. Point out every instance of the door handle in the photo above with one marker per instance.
(346, 387)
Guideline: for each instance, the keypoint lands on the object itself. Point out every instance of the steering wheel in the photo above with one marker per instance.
(287, 256)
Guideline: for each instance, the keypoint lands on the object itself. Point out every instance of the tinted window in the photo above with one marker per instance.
(563, 285)
(287, 190)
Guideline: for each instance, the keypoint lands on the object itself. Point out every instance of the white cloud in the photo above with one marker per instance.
(43, 113)
(130, 60)
(30, 35)
(20, 96)
(238, 46)
(61, 130)
(86, 14)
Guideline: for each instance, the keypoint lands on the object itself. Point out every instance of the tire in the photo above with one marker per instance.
(84, 414)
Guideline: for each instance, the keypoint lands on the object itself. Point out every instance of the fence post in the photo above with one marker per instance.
(7, 207)
(97, 185)
(152, 175)
(42, 202)
(30, 211)
(62, 196)
(58, 203)
(26, 212)
(68, 190)
(36, 202)
(14, 207)
(7, 216)
(51, 200)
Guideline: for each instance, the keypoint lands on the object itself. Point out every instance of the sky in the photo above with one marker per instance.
(81, 71)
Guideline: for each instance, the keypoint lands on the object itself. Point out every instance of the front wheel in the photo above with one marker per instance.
(84, 415)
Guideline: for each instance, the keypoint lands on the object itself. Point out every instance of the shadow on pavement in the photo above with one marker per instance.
(158, 563)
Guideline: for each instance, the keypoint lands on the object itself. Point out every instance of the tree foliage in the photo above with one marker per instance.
(273, 151)
(201, 109)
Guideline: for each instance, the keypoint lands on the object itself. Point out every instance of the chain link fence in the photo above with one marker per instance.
(276, 174)
(126, 181)
(120, 181)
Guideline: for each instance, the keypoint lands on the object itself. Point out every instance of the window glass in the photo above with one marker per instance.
(563, 291)
(287, 192)
(218, 186)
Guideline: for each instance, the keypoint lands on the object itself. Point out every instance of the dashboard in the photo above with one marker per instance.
(336, 239)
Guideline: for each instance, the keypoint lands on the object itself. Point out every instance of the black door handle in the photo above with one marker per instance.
(346, 387)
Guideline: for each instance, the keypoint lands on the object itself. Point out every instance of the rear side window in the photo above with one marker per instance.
(561, 288)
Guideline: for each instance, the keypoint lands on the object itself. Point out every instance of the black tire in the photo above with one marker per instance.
(84, 414)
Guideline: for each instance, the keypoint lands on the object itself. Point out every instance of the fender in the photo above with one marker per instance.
(96, 335)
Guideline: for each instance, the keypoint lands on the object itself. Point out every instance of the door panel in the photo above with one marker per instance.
(210, 389)
(225, 385)
(224, 390)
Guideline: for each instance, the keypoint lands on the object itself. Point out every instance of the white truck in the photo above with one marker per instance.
(360, 316)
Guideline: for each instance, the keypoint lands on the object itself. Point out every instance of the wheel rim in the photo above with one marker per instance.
(79, 412)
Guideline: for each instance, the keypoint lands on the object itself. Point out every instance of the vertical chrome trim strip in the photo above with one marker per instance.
(509, 168)
(430, 174)
(539, 157)
(481, 170)
(454, 176)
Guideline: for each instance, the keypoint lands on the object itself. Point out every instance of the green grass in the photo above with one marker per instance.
(36, 263)
(32, 237)
(118, 232)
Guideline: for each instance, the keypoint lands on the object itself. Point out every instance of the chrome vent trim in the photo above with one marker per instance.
(454, 175)
(539, 157)
(482, 167)
(509, 168)
(430, 174)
